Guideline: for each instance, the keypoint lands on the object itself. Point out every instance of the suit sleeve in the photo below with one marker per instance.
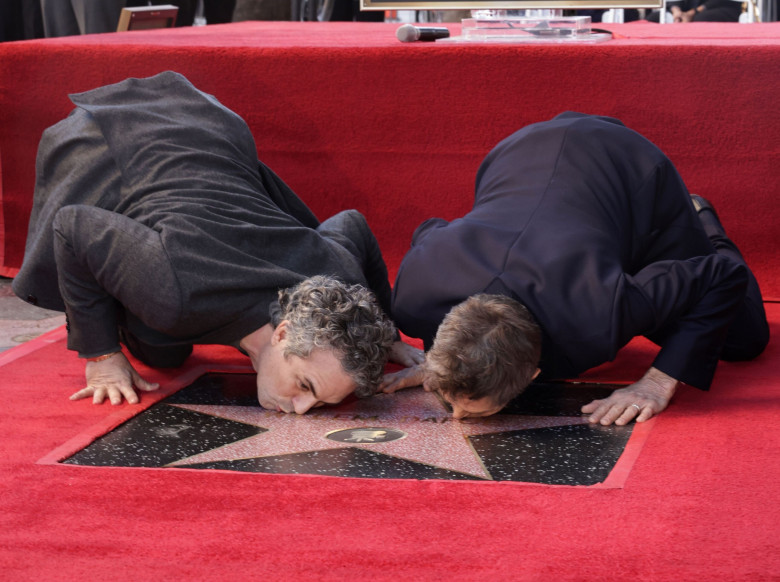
(108, 263)
(686, 307)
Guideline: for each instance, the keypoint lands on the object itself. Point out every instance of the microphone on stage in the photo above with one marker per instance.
(410, 33)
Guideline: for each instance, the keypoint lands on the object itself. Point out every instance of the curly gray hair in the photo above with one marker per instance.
(324, 313)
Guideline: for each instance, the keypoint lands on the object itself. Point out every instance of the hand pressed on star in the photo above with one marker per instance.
(114, 378)
(640, 401)
(406, 355)
(406, 378)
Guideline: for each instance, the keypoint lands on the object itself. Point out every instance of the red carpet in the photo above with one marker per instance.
(700, 503)
(352, 118)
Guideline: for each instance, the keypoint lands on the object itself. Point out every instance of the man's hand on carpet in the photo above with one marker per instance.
(406, 378)
(406, 355)
(639, 401)
(113, 378)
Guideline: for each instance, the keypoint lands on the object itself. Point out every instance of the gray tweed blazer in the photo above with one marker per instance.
(153, 213)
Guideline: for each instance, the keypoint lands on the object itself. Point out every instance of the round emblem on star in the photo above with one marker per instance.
(366, 435)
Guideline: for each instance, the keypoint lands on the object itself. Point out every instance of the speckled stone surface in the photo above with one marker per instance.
(215, 423)
(162, 435)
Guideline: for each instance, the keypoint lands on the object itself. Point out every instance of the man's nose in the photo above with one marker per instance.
(303, 402)
(458, 412)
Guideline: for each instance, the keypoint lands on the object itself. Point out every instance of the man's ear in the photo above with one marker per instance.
(536, 374)
(280, 332)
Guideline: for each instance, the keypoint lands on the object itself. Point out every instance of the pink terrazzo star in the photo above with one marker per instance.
(432, 436)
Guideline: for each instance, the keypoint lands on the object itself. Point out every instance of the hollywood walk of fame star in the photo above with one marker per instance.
(432, 436)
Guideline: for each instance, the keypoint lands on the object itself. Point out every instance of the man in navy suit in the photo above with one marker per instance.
(582, 236)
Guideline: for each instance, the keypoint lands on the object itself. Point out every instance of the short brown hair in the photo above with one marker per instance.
(487, 347)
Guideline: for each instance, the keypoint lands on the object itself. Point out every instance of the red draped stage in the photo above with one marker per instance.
(351, 118)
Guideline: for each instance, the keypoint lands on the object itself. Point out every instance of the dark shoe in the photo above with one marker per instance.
(712, 225)
(700, 204)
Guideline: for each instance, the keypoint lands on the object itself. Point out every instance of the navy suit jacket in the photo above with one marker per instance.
(589, 225)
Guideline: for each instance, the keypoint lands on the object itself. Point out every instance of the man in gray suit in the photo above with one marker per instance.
(155, 225)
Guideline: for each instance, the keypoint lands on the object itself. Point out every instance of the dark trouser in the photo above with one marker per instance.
(72, 17)
(214, 11)
(749, 332)
(722, 11)
(154, 356)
